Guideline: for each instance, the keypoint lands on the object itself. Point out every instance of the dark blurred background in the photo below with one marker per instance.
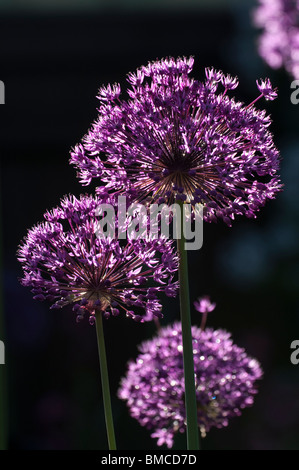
(54, 55)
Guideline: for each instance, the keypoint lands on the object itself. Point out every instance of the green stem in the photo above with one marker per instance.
(105, 381)
(190, 395)
(3, 389)
(3, 396)
(3, 411)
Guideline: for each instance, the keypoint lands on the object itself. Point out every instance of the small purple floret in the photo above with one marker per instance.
(204, 304)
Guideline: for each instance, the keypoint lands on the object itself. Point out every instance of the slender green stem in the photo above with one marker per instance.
(3, 394)
(3, 389)
(105, 381)
(190, 396)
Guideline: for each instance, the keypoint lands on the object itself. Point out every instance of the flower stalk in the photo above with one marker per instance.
(190, 395)
(3, 384)
(3, 399)
(105, 381)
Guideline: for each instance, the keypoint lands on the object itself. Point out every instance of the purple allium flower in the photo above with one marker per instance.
(179, 138)
(65, 262)
(154, 384)
(278, 44)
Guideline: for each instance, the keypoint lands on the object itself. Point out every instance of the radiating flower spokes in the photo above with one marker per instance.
(176, 138)
(65, 262)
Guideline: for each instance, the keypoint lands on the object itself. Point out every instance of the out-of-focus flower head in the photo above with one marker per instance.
(278, 43)
(154, 390)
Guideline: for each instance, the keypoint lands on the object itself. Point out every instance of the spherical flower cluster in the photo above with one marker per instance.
(67, 261)
(279, 41)
(154, 385)
(176, 138)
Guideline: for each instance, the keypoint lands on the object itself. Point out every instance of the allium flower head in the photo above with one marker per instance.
(66, 262)
(279, 41)
(176, 138)
(154, 384)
